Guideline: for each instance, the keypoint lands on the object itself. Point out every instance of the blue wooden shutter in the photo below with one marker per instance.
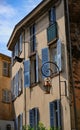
(21, 121)
(59, 53)
(16, 123)
(51, 105)
(45, 58)
(26, 73)
(37, 74)
(20, 42)
(53, 15)
(17, 84)
(36, 118)
(59, 113)
(31, 118)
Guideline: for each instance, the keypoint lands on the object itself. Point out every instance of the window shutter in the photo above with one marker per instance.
(59, 64)
(53, 15)
(16, 123)
(51, 105)
(36, 118)
(59, 113)
(21, 121)
(27, 73)
(37, 74)
(31, 118)
(45, 58)
(20, 80)
(16, 84)
(20, 43)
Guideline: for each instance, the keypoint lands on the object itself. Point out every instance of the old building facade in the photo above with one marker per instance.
(5, 92)
(41, 61)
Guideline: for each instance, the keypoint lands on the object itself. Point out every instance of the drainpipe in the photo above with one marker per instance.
(70, 59)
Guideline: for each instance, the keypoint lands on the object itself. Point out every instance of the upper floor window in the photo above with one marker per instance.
(32, 39)
(31, 71)
(6, 69)
(52, 16)
(6, 96)
(52, 53)
(17, 49)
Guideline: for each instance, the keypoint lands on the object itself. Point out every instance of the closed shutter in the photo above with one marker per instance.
(45, 58)
(31, 118)
(27, 73)
(21, 121)
(59, 113)
(59, 62)
(51, 105)
(37, 73)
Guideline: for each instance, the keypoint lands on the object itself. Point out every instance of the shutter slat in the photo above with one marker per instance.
(59, 62)
(27, 73)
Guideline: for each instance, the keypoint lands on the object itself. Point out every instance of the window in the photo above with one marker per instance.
(52, 16)
(17, 84)
(52, 53)
(34, 118)
(17, 49)
(6, 69)
(32, 39)
(6, 96)
(55, 114)
(31, 71)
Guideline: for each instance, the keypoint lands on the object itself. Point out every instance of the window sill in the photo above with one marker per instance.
(53, 41)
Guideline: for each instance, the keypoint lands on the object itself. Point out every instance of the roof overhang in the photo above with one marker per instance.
(30, 18)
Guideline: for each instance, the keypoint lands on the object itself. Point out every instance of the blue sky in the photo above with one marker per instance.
(11, 12)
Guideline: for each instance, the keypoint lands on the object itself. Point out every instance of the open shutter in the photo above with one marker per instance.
(21, 121)
(31, 118)
(45, 58)
(16, 123)
(59, 62)
(20, 80)
(17, 84)
(37, 74)
(53, 15)
(36, 118)
(26, 73)
(51, 105)
(59, 113)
